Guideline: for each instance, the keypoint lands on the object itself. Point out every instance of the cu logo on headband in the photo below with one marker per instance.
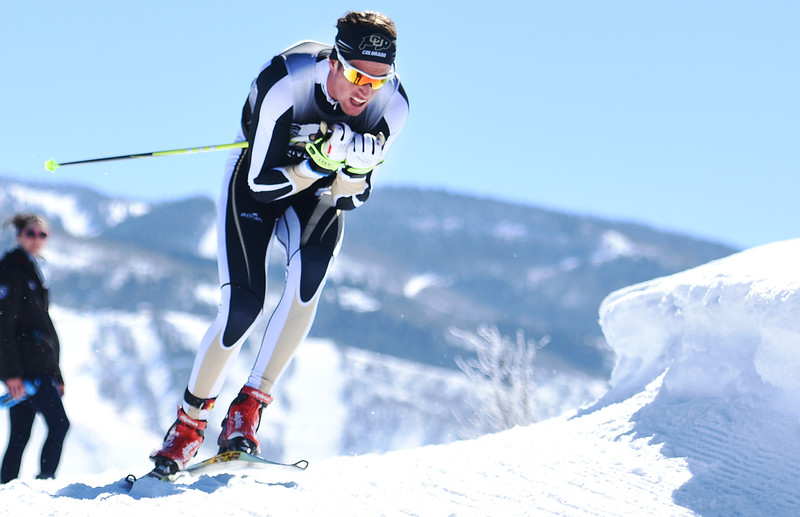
(375, 42)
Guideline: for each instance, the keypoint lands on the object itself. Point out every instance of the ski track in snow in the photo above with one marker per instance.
(742, 456)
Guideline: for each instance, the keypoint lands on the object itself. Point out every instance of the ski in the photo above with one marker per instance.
(223, 462)
(236, 460)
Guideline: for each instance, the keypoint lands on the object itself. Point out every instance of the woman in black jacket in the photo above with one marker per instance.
(29, 349)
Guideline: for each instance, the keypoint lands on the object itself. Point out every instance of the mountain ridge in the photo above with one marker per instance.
(134, 287)
(414, 263)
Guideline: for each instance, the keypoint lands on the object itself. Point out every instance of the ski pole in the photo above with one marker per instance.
(51, 165)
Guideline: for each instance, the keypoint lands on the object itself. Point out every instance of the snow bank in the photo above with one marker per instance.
(732, 325)
(724, 340)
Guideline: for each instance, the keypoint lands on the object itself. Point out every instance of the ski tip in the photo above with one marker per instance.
(153, 474)
(302, 464)
(165, 469)
(50, 165)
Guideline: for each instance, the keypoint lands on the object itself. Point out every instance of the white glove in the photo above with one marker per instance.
(327, 154)
(364, 153)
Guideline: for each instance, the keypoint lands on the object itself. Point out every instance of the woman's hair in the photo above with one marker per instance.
(22, 221)
(370, 19)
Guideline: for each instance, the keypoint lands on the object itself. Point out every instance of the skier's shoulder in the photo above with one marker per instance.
(307, 49)
(297, 61)
(13, 259)
(301, 58)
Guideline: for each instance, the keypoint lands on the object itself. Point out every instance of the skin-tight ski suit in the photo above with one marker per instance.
(267, 194)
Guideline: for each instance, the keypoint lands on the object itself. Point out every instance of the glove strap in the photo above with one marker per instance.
(319, 158)
(355, 171)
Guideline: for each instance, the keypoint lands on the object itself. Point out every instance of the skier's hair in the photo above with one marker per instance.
(22, 220)
(371, 19)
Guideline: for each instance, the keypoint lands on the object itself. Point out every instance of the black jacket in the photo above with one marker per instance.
(29, 344)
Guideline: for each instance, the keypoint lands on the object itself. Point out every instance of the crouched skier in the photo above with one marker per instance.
(318, 122)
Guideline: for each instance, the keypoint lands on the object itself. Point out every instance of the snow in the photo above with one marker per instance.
(67, 208)
(317, 365)
(55, 205)
(510, 231)
(701, 419)
(207, 247)
(614, 245)
(117, 211)
(357, 300)
(419, 283)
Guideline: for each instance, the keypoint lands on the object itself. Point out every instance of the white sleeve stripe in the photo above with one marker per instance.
(395, 117)
(275, 103)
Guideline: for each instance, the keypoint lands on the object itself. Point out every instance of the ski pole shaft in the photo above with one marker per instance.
(51, 165)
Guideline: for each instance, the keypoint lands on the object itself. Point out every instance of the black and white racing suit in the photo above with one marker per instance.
(268, 191)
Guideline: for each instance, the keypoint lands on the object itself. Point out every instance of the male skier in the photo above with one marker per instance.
(318, 122)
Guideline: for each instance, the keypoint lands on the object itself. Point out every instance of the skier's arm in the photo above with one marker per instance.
(266, 123)
(352, 186)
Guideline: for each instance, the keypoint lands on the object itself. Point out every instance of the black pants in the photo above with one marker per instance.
(46, 401)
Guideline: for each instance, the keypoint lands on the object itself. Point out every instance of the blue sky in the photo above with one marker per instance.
(682, 115)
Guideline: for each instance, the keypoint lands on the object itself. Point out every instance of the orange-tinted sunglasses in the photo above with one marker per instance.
(358, 77)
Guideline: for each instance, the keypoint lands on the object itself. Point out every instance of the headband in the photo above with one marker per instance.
(365, 43)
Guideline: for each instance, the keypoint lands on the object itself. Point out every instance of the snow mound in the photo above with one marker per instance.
(729, 326)
(725, 337)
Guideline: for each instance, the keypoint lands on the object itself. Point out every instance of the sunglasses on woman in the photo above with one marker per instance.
(359, 77)
(32, 234)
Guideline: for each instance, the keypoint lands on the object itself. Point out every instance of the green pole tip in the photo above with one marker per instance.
(50, 165)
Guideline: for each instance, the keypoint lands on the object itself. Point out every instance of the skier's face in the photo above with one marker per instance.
(33, 238)
(352, 97)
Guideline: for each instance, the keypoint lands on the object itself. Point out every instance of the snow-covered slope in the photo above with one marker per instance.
(727, 334)
(701, 419)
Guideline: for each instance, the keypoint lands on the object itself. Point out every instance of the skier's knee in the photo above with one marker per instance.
(60, 428)
(244, 308)
(315, 261)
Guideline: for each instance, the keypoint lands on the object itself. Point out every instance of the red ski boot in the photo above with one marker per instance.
(240, 425)
(181, 443)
